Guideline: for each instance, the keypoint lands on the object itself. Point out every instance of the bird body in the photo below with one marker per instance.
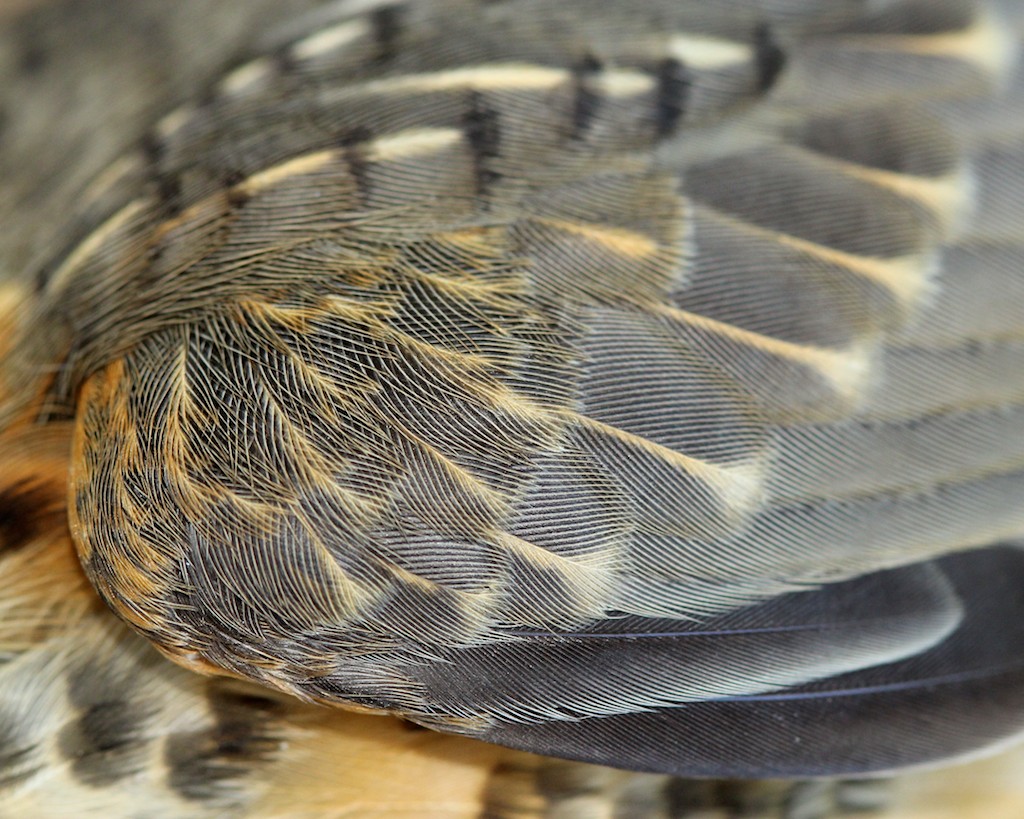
(632, 385)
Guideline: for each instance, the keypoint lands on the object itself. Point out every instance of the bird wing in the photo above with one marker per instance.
(637, 386)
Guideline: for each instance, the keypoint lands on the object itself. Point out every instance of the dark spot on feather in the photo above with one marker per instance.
(284, 61)
(167, 185)
(387, 30)
(104, 744)
(673, 80)
(482, 127)
(586, 101)
(27, 508)
(155, 253)
(237, 197)
(169, 192)
(232, 178)
(771, 59)
(33, 58)
(245, 735)
(42, 276)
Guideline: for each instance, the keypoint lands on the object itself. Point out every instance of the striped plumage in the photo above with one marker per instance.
(634, 383)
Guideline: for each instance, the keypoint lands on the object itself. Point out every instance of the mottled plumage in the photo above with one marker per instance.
(638, 384)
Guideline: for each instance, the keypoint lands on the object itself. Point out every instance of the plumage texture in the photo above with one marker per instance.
(93, 722)
(642, 386)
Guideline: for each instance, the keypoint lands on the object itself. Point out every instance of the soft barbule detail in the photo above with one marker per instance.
(610, 383)
(93, 722)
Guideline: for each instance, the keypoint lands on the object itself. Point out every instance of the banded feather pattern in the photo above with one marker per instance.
(640, 386)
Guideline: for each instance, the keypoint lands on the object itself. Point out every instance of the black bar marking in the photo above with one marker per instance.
(770, 58)
(245, 735)
(104, 745)
(387, 30)
(237, 197)
(673, 93)
(27, 509)
(482, 127)
(284, 62)
(33, 59)
(586, 101)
